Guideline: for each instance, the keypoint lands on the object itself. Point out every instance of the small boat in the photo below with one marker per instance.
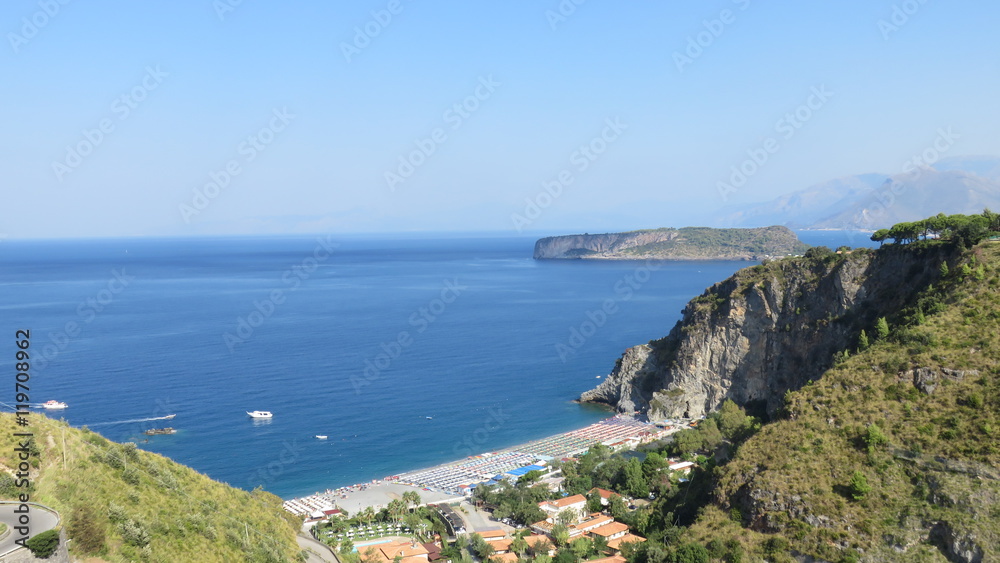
(169, 416)
(54, 405)
(320, 437)
(260, 414)
(430, 418)
(159, 431)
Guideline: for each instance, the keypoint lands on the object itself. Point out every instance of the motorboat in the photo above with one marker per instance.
(260, 414)
(169, 416)
(54, 405)
(321, 437)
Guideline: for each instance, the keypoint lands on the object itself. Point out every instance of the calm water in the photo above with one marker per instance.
(357, 339)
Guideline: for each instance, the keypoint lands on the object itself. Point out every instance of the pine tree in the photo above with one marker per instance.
(881, 329)
(863, 343)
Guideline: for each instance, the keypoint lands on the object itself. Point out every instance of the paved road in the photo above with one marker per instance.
(477, 520)
(318, 553)
(41, 520)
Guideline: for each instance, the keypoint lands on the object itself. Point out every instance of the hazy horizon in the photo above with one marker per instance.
(236, 118)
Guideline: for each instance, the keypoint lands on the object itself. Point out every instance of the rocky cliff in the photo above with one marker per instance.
(767, 329)
(688, 243)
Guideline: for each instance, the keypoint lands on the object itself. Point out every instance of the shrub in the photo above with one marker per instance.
(116, 513)
(43, 544)
(859, 487)
(134, 533)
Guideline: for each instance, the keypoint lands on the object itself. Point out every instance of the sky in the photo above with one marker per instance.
(227, 117)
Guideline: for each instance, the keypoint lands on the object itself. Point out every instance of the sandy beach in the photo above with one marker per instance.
(453, 481)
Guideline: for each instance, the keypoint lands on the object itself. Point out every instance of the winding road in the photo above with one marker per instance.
(42, 518)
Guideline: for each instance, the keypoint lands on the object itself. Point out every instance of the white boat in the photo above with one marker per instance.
(320, 437)
(54, 405)
(169, 416)
(260, 414)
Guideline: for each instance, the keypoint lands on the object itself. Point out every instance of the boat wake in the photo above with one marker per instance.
(168, 417)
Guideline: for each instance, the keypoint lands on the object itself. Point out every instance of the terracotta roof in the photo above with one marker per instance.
(402, 549)
(627, 538)
(612, 559)
(564, 502)
(535, 538)
(594, 522)
(487, 534)
(610, 529)
(499, 545)
(605, 494)
(504, 558)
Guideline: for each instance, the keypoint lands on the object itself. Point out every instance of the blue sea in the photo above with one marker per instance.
(406, 352)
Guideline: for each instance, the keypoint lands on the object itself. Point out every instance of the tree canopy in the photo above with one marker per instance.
(969, 229)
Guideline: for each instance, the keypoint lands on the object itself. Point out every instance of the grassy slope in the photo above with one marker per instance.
(188, 516)
(803, 463)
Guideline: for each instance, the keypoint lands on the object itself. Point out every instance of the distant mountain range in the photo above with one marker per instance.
(872, 201)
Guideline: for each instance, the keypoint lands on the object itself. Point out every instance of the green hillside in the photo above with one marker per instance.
(892, 455)
(119, 503)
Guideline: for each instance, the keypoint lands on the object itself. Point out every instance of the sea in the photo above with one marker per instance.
(404, 351)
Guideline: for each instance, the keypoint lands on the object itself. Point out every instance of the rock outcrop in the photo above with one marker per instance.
(689, 243)
(766, 330)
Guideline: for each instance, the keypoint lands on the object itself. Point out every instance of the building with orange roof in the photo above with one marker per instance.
(504, 558)
(543, 543)
(501, 545)
(604, 494)
(492, 534)
(596, 520)
(612, 559)
(615, 545)
(545, 527)
(576, 503)
(406, 551)
(611, 531)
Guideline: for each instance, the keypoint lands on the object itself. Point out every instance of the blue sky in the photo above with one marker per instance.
(330, 123)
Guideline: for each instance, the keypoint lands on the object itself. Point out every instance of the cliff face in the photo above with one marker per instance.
(765, 330)
(689, 243)
(593, 246)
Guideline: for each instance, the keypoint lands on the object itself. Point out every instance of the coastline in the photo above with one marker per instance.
(454, 481)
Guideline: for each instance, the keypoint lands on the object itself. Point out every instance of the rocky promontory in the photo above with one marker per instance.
(767, 329)
(688, 243)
